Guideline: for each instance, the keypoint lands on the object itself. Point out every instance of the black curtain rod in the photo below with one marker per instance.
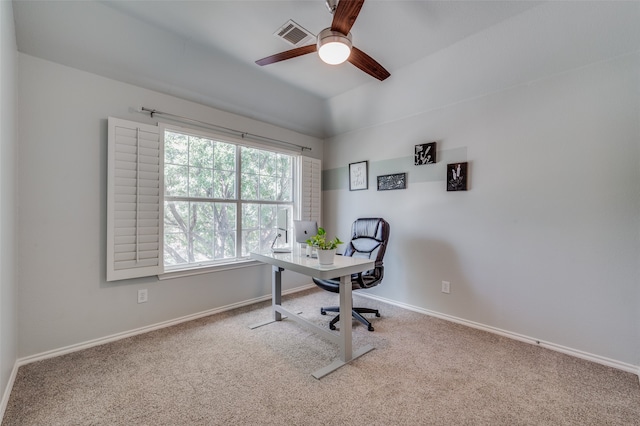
(243, 135)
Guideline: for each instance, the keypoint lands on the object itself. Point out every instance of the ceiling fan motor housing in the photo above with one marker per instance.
(333, 47)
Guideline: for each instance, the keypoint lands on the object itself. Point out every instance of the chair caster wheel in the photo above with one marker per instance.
(332, 327)
(323, 312)
(378, 314)
(370, 328)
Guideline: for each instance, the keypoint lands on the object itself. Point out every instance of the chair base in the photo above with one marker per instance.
(355, 312)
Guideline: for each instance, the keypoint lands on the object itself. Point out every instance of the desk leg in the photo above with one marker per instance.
(276, 291)
(343, 339)
(276, 297)
(345, 319)
(346, 351)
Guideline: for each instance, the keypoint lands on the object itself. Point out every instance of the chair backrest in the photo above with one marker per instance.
(369, 238)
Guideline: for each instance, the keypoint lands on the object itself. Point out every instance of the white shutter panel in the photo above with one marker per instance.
(134, 246)
(310, 189)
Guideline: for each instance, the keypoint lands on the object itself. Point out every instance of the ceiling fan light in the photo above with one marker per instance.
(333, 47)
(334, 53)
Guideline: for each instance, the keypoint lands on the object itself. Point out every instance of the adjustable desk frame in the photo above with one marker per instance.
(343, 267)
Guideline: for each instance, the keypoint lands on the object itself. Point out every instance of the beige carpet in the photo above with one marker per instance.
(424, 371)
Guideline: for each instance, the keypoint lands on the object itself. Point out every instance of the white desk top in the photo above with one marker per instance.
(296, 261)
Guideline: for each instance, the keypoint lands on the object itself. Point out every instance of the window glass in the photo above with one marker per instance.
(206, 219)
(176, 180)
(176, 233)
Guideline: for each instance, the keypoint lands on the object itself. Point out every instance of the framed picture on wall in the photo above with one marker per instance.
(358, 176)
(394, 181)
(457, 177)
(425, 153)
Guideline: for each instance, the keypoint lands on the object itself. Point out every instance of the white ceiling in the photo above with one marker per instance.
(205, 51)
(395, 33)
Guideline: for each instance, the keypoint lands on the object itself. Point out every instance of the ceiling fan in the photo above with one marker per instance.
(334, 43)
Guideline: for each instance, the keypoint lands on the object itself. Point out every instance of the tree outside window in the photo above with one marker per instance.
(222, 200)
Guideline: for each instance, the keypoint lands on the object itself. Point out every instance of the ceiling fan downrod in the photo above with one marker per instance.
(331, 5)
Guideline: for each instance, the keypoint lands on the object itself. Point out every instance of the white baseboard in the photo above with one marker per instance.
(7, 391)
(118, 336)
(630, 368)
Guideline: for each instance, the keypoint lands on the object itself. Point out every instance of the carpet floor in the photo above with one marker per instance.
(423, 371)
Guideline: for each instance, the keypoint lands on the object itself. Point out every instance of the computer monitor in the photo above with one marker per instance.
(305, 229)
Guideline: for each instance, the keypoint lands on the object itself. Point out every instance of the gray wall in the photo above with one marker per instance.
(205, 73)
(545, 242)
(8, 143)
(64, 298)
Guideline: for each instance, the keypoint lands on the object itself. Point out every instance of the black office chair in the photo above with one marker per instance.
(369, 239)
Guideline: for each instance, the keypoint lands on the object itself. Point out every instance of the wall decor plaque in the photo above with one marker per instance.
(425, 153)
(393, 181)
(358, 176)
(457, 177)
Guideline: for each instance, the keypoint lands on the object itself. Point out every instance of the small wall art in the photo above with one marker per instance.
(358, 176)
(457, 177)
(394, 181)
(425, 153)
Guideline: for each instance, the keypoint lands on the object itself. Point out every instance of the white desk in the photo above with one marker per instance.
(343, 267)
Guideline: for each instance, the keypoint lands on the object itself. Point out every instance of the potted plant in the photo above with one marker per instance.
(326, 248)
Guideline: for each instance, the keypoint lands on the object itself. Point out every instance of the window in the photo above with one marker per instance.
(181, 199)
(222, 200)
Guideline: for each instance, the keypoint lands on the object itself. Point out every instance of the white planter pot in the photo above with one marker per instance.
(325, 257)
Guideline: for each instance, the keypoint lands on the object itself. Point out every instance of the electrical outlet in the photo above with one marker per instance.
(143, 296)
(446, 287)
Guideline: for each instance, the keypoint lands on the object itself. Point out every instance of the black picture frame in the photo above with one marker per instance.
(392, 181)
(457, 176)
(359, 175)
(425, 153)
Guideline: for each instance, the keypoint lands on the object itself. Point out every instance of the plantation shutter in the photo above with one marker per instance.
(310, 189)
(133, 200)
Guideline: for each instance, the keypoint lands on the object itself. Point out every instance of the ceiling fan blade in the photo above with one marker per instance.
(293, 53)
(367, 64)
(345, 15)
